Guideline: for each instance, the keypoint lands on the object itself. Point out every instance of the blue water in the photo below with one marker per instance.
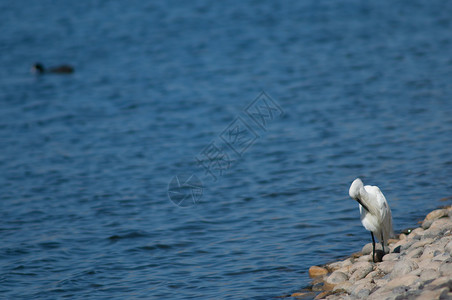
(364, 89)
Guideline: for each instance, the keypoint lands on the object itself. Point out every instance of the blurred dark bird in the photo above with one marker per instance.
(38, 68)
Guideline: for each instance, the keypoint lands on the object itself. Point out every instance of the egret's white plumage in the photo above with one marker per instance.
(374, 209)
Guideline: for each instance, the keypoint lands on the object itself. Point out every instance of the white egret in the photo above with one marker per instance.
(375, 212)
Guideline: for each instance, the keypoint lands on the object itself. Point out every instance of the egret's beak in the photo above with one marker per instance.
(361, 203)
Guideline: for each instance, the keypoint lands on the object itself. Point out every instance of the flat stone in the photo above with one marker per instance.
(405, 280)
(402, 236)
(403, 267)
(315, 271)
(336, 277)
(436, 214)
(360, 270)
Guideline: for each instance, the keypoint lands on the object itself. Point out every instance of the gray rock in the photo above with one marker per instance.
(386, 266)
(440, 282)
(429, 264)
(346, 286)
(377, 274)
(429, 274)
(367, 258)
(335, 266)
(403, 267)
(367, 249)
(416, 233)
(391, 256)
(436, 214)
(449, 248)
(446, 269)
(401, 281)
(442, 223)
(426, 224)
(415, 253)
(416, 272)
(422, 243)
(442, 257)
(336, 277)
(360, 270)
(382, 294)
(431, 251)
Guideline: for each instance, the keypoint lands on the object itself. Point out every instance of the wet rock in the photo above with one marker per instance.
(316, 271)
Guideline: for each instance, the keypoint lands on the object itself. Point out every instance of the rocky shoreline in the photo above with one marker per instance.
(418, 266)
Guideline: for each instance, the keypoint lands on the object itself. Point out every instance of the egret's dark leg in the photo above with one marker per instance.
(383, 244)
(373, 246)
